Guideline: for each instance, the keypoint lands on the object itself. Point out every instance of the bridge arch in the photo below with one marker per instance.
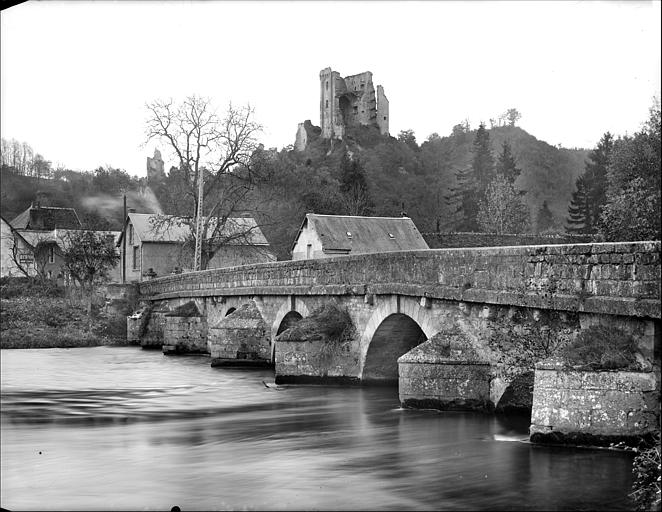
(290, 312)
(398, 324)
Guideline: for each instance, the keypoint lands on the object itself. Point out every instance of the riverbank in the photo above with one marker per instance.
(43, 315)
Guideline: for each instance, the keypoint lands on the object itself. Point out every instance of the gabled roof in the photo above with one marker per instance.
(47, 218)
(345, 233)
(151, 228)
(57, 236)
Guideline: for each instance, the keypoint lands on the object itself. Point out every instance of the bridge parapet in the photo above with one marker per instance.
(610, 278)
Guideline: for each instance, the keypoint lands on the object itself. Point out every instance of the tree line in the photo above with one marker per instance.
(618, 194)
(23, 159)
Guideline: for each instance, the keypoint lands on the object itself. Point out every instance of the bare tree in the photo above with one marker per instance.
(30, 259)
(219, 150)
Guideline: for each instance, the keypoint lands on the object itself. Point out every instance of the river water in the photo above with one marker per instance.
(119, 428)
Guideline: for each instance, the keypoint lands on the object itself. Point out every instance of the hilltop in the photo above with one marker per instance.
(401, 175)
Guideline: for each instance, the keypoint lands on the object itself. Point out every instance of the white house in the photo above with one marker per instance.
(323, 236)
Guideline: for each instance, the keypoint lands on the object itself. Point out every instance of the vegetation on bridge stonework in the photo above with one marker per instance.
(328, 322)
(602, 348)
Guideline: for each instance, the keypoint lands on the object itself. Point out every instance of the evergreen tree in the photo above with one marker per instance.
(579, 212)
(472, 183)
(463, 201)
(595, 174)
(591, 195)
(506, 164)
(483, 162)
(544, 219)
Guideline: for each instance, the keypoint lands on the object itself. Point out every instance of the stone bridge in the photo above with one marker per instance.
(493, 310)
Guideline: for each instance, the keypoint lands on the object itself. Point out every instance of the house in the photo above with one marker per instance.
(155, 245)
(40, 252)
(35, 240)
(323, 236)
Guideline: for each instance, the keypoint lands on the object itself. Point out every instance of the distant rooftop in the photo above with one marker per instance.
(47, 218)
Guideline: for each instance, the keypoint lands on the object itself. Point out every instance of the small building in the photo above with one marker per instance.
(155, 245)
(324, 236)
(40, 252)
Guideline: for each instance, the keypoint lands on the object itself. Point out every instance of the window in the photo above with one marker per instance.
(326, 85)
(51, 254)
(384, 118)
(50, 274)
(130, 234)
(135, 257)
(362, 86)
(309, 251)
(327, 103)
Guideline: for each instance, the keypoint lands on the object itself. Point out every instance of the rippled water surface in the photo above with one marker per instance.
(120, 428)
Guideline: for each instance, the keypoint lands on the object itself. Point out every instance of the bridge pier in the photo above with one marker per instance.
(242, 338)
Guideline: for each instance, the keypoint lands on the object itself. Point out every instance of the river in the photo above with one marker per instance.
(119, 428)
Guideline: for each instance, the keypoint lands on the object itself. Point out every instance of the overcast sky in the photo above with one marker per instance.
(76, 75)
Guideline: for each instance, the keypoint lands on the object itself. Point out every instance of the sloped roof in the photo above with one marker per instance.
(365, 234)
(47, 218)
(58, 236)
(150, 228)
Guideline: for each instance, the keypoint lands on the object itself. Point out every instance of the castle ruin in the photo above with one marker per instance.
(155, 167)
(346, 102)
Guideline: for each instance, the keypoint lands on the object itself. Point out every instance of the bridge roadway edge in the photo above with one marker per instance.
(603, 278)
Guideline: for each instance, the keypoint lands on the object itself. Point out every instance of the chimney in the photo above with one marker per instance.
(41, 199)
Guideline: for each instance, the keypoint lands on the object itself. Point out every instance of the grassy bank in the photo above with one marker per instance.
(37, 314)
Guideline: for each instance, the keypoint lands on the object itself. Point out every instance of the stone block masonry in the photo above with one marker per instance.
(571, 406)
(185, 335)
(604, 278)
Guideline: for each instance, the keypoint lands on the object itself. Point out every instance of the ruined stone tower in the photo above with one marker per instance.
(350, 101)
(155, 167)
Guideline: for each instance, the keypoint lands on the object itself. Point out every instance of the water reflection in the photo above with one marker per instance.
(121, 428)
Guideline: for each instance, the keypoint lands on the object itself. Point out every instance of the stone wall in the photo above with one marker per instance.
(604, 278)
(185, 335)
(445, 385)
(315, 361)
(593, 407)
(463, 240)
(242, 337)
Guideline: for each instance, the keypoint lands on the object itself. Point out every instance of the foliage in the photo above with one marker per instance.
(327, 322)
(29, 287)
(354, 187)
(506, 164)
(589, 197)
(502, 210)
(602, 348)
(633, 207)
(544, 218)
(580, 219)
(409, 138)
(88, 256)
(647, 471)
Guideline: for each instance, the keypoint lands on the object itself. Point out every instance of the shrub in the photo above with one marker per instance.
(29, 287)
(602, 348)
(327, 321)
(647, 474)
